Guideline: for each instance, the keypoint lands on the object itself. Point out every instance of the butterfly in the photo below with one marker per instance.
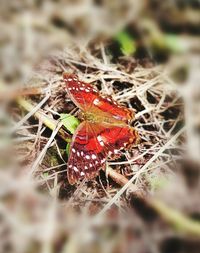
(103, 132)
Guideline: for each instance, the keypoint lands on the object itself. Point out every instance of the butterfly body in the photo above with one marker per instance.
(103, 132)
(94, 117)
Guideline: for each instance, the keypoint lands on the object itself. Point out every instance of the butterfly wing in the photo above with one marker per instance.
(87, 98)
(84, 160)
(92, 144)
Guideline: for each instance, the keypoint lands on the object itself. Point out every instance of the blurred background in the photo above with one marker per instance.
(146, 55)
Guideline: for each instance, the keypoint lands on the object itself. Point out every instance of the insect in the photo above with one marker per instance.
(103, 132)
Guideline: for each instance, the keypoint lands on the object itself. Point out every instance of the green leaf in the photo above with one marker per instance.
(158, 183)
(173, 43)
(45, 174)
(127, 43)
(69, 121)
(67, 148)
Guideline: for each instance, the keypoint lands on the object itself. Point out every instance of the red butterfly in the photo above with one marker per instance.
(103, 132)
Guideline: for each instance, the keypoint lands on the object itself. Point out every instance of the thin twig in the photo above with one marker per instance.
(50, 123)
(30, 113)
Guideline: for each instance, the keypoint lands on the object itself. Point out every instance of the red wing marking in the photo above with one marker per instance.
(87, 98)
(82, 94)
(92, 144)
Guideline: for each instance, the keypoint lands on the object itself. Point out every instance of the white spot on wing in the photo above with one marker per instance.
(94, 156)
(102, 143)
(82, 173)
(99, 138)
(87, 157)
(103, 160)
(96, 101)
(116, 151)
(75, 169)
